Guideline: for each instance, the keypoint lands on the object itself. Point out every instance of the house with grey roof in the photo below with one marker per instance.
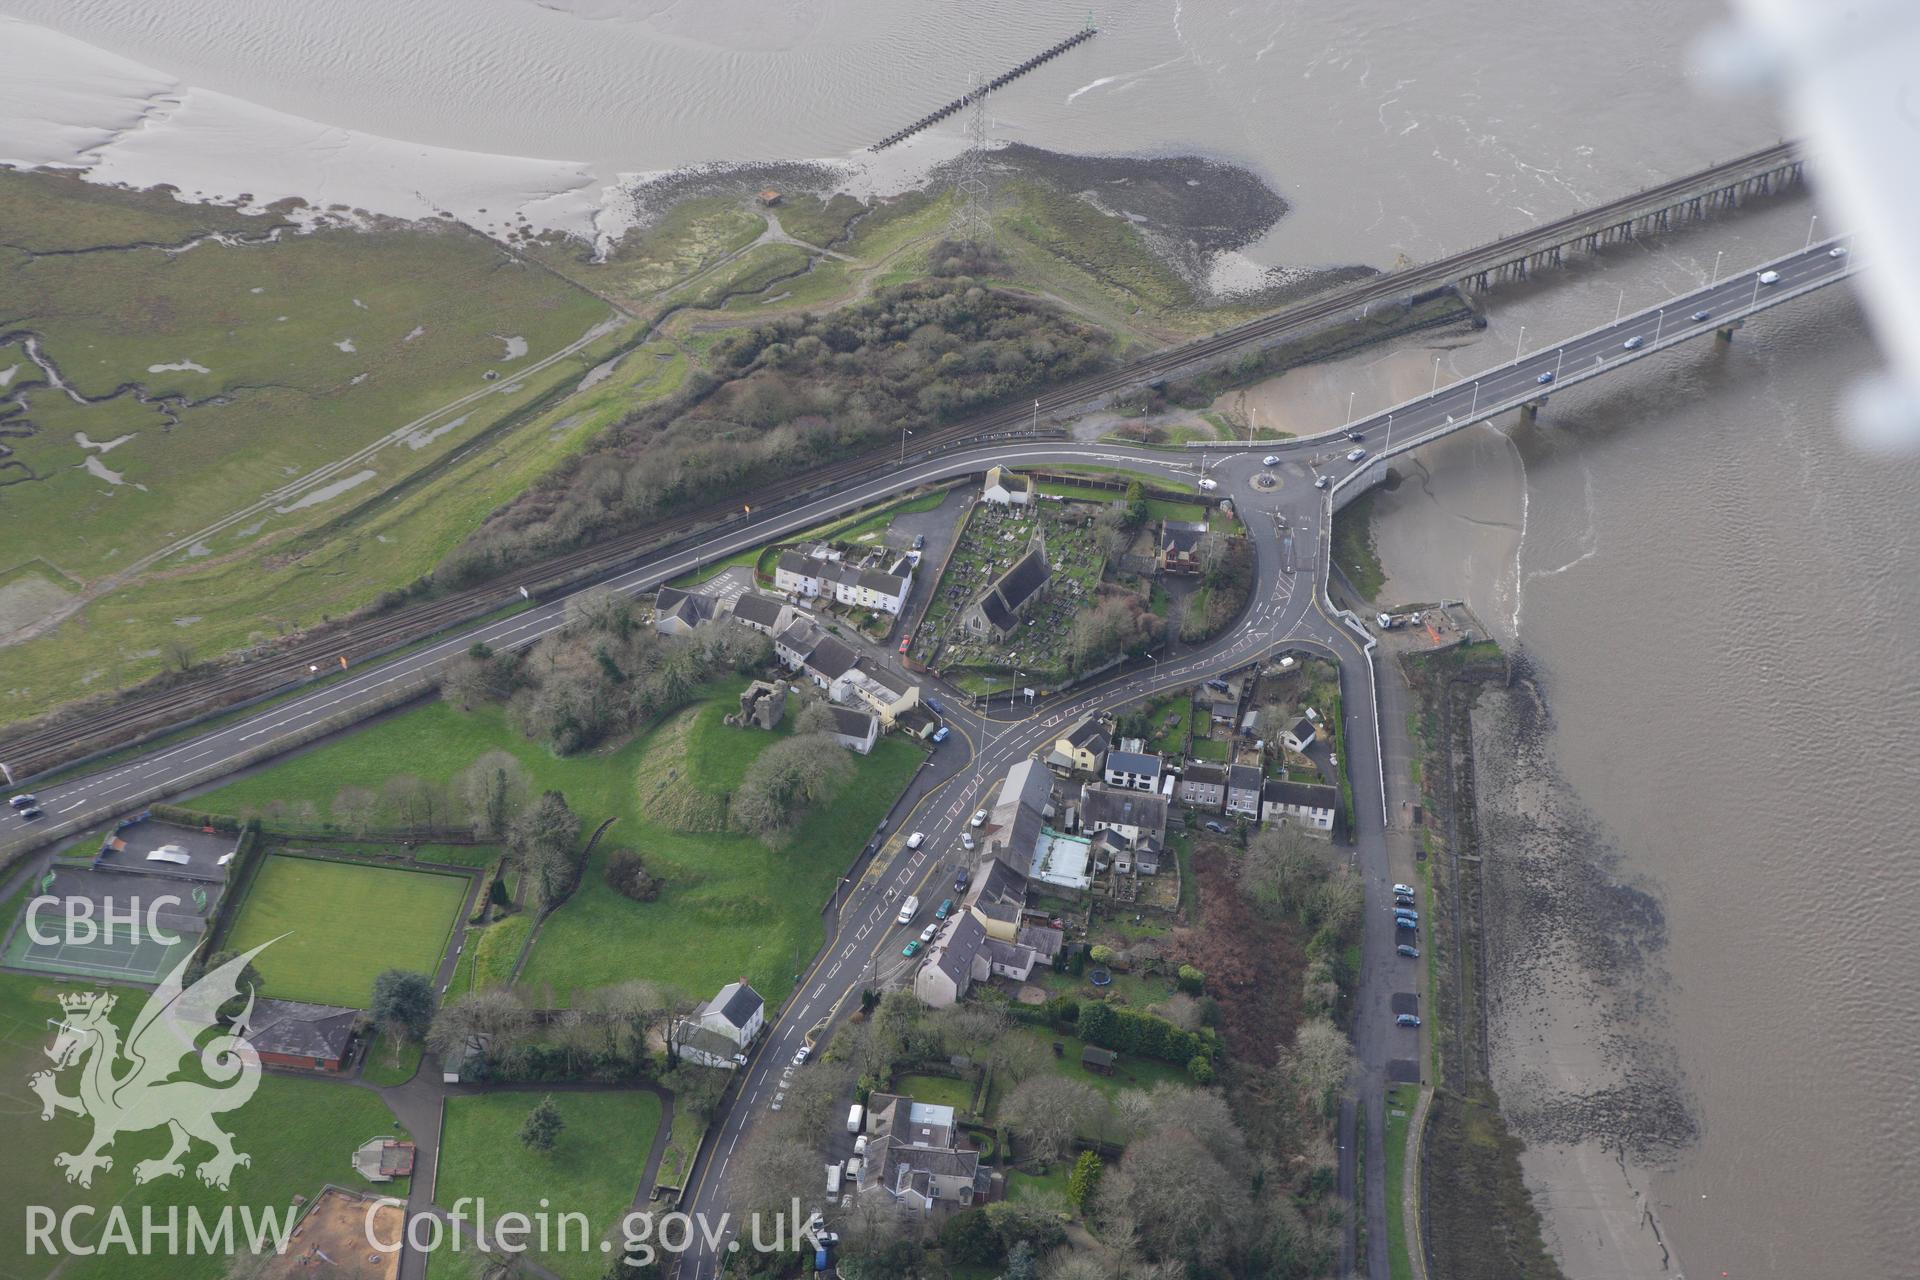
(855, 730)
(676, 612)
(914, 1156)
(1203, 786)
(1133, 770)
(795, 644)
(1300, 735)
(1130, 815)
(307, 1037)
(718, 1033)
(762, 612)
(1308, 804)
(1243, 791)
(946, 975)
(1182, 546)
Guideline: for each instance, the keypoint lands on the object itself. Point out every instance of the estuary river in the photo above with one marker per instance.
(1717, 596)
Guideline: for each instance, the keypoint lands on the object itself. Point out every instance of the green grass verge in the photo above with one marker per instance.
(683, 1143)
(939, 1091)
(1353, 547)
(1400, 1103)
(343, 923)
(593, 1168)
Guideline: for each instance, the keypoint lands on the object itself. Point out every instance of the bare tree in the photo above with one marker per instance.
(494, 787)
(494, 1013)
(1179, 1200)
(400, 796)
(179, 654)
(353, 808)
(1321, 1059)
(776, 1166)
(1282, 868)
(1048, 1112)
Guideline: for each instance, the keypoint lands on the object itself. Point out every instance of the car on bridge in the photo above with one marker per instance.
(1769, 277)
(1355, 435)
(1354, 455)
(1407, 1020)
(1700, 315)
(1838, 251)
(1634, 343)
(1545, 378)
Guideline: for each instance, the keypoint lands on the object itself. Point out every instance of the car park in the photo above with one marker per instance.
(1321, 482)
(1408, 1020)
(22, 801)
(1410, 952)
(1769, 277)
(1634, 343)
(979, 818)
(911, 949)
(944, 910)
(1545, 378)
(1698, 316)
(1354, 455)
(1271, 460)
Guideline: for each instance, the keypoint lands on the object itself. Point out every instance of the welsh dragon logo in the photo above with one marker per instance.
(133, 1087)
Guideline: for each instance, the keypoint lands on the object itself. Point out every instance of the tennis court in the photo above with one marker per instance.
(344, 923)
(77, 940)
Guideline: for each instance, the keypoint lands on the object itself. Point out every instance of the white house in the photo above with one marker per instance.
(1300, 735)
(871, 588)
(763, 613)
(800, 575)
(1310, 804)
(868, 684)
(855, 730)
(1133, 770)
(721, 1029)
(677, 612)
(1007, 488)
(1128, 814)
(1243, 791)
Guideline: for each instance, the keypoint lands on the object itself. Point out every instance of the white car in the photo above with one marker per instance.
(927, 934)
(1271, 460)
(1769, 277)
(1838, 251)
(800, 1055)
(917, 839)
(1321, 482)
(979, 818)
(1403, 888)
(1354, 455)
(1209, 485)
(966, 840)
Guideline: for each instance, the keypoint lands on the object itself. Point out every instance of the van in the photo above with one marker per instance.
(833, 1179)
(853, 1119)
(909, 909)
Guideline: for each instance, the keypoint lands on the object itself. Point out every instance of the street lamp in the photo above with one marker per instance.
(1350, 396)
(1810, 221)
(1036, 417)
(1619, 306)
(1436, 376)
(1389, 443)
(904, 433)
(1517, 341)
(1716, 268)
(1659, 319)
(1475, 406)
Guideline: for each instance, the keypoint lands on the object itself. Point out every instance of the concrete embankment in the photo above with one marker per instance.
(973, 95)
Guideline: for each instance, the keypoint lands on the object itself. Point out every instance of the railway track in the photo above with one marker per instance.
(60, 739)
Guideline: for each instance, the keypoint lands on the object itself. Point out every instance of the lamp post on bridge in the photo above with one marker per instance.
(1475, 406)
(1389, 443)
(1619, 306)
(1436, 376)
(904, 433)
(1517, 342)
(1658, 320)
(1716, 268)
(1810, 224)
(1350, 396)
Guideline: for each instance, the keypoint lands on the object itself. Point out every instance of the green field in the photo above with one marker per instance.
(683, 1143)
(593, 1169)
(300, 1133)
(731, 905)
(344, 923)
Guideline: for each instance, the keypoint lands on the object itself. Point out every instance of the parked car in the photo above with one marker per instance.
(1217, 685)
(941, 735)
(911, 949)
(935, 707)
(801, 1054)
(1271, 460)
(1321, 482)
(1406, 913)
(1354, 455)
(917, 839)
(960, 879)
(1403, 900)
(979, 818)
(1215, 827)
(944, 910)
(1411, 953)
(966, 840)
(1545, 378)
(22, 801)
(1769, 277)
(1700, 315)
(1634, 343)
(1401, 922)
(1403, 888)
(1408, 1020)
(919, 541)
(927, 934)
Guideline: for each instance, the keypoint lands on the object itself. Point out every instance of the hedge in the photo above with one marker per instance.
(1145, 1034)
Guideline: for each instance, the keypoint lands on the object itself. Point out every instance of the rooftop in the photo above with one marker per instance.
(1060, 860)
(1133, 762)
